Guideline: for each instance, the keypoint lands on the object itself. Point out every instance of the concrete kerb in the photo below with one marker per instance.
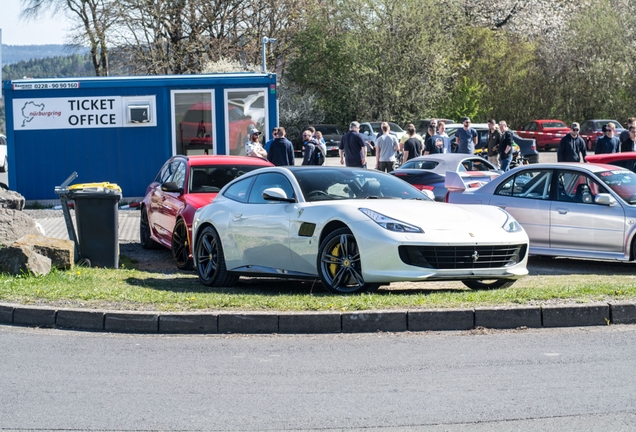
(320, 322)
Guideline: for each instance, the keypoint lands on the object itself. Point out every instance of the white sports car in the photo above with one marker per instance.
(352, 228)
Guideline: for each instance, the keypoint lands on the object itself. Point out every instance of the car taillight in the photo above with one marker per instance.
(423, 187)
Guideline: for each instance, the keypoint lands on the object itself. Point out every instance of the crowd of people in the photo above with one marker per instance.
(572, 147)
(353, 145)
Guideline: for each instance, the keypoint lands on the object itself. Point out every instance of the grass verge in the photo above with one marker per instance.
(130, 289)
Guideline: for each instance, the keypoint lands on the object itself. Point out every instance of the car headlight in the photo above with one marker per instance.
(511, 224)
(390, 223)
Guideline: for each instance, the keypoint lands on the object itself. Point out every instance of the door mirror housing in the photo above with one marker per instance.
(171, 187)
(276, 194)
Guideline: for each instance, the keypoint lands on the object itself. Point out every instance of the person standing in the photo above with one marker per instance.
(432, 124)
(625, 134)
(505, 146)
(412, 146)
(608, 143)
(493, 139)
(629, 145)
(318, 137)
(281, 151)
(253, 146)
(406, 136)
(440, 142)
(385, 147)
(353, 147)
(310, 147)
(269, 143)
(466, 138)
(572, 148)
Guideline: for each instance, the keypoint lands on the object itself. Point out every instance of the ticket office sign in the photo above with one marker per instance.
(67, 113)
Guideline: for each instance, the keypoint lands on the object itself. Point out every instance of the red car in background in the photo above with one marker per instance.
(547, 133)
(183, 185)
(624, 160)
(195, 130)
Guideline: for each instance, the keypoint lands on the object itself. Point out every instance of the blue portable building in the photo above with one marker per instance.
(122, 129)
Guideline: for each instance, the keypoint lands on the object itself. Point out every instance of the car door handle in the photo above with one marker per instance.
(562, 210)
(237, 216)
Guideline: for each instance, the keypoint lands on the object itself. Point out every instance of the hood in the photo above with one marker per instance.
(431, 215)
(198, 200)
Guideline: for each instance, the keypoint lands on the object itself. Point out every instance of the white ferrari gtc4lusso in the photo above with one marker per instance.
(354, 229)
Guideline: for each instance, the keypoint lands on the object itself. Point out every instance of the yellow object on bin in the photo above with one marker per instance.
(103, 186)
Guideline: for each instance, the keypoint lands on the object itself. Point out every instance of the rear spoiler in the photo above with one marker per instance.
(455, 183)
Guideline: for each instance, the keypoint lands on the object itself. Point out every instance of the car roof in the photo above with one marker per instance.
(609, 157)
(199, 160)
(591, 167)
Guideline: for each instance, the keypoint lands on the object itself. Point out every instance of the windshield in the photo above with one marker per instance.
(211, 179)
(601, 123)
(341, 184)
(623, 182)
(394, 127)
(328, 130)
(554, 125)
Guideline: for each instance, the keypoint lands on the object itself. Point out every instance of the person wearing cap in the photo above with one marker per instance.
(609, 143)
(253, 146)
(353, 147)
(466, 138)
(572, 148)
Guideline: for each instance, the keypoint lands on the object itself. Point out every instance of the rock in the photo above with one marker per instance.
(61, 252)
(14, 224)
(23, 259)
(11, 200)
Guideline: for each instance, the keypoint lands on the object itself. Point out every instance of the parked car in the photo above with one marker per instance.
(591, 130)
(184, 184)
(330, 133)
(354, 229)
(3, 154)
(547, 133)
(568, 209)
(421, 127)
(195, 129)
(527, 147)
(625, 160)
(429, 172)
(371, 130)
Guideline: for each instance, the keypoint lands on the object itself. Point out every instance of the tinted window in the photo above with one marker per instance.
(179, 174)
(527, 184)
(238, 191)
(214, 178)
(579, 188)
(328, 130)
(476, 165)
(420, 164)
(269, 180)
(336, 184)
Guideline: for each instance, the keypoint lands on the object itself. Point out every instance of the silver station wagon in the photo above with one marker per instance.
(579, 210)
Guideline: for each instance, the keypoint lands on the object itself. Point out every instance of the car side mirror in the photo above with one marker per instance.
(605, 199)
(171, 187)
(276, 194)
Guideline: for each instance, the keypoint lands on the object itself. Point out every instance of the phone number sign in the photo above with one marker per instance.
(46, 86)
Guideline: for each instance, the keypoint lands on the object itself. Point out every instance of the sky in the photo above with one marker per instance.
(15, 31)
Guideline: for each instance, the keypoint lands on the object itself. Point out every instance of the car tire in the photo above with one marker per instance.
(180, 246)
(3, 168)
(339, 265)
(210, 262)
(144, 232)
(486, 284)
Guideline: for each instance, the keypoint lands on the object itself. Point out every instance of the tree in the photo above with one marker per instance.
(93, 18)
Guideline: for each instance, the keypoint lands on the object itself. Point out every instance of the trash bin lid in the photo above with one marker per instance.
(96, 187)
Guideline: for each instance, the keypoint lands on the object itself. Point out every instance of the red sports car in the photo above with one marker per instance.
(183, 185)
(624, 160)
(548, 133)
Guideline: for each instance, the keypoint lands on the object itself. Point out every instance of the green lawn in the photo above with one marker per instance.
(130, 289)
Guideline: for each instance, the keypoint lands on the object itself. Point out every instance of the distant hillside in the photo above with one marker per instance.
(16, 53)
(51, 67)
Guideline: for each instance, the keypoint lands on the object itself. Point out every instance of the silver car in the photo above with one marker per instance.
(568, 209)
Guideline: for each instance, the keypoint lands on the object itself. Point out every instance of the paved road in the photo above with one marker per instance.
(535, 380)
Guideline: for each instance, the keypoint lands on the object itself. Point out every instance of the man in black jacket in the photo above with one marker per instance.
(571, 146)
(281, 151)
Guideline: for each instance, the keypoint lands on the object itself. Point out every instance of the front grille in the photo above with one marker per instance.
(463, 257)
